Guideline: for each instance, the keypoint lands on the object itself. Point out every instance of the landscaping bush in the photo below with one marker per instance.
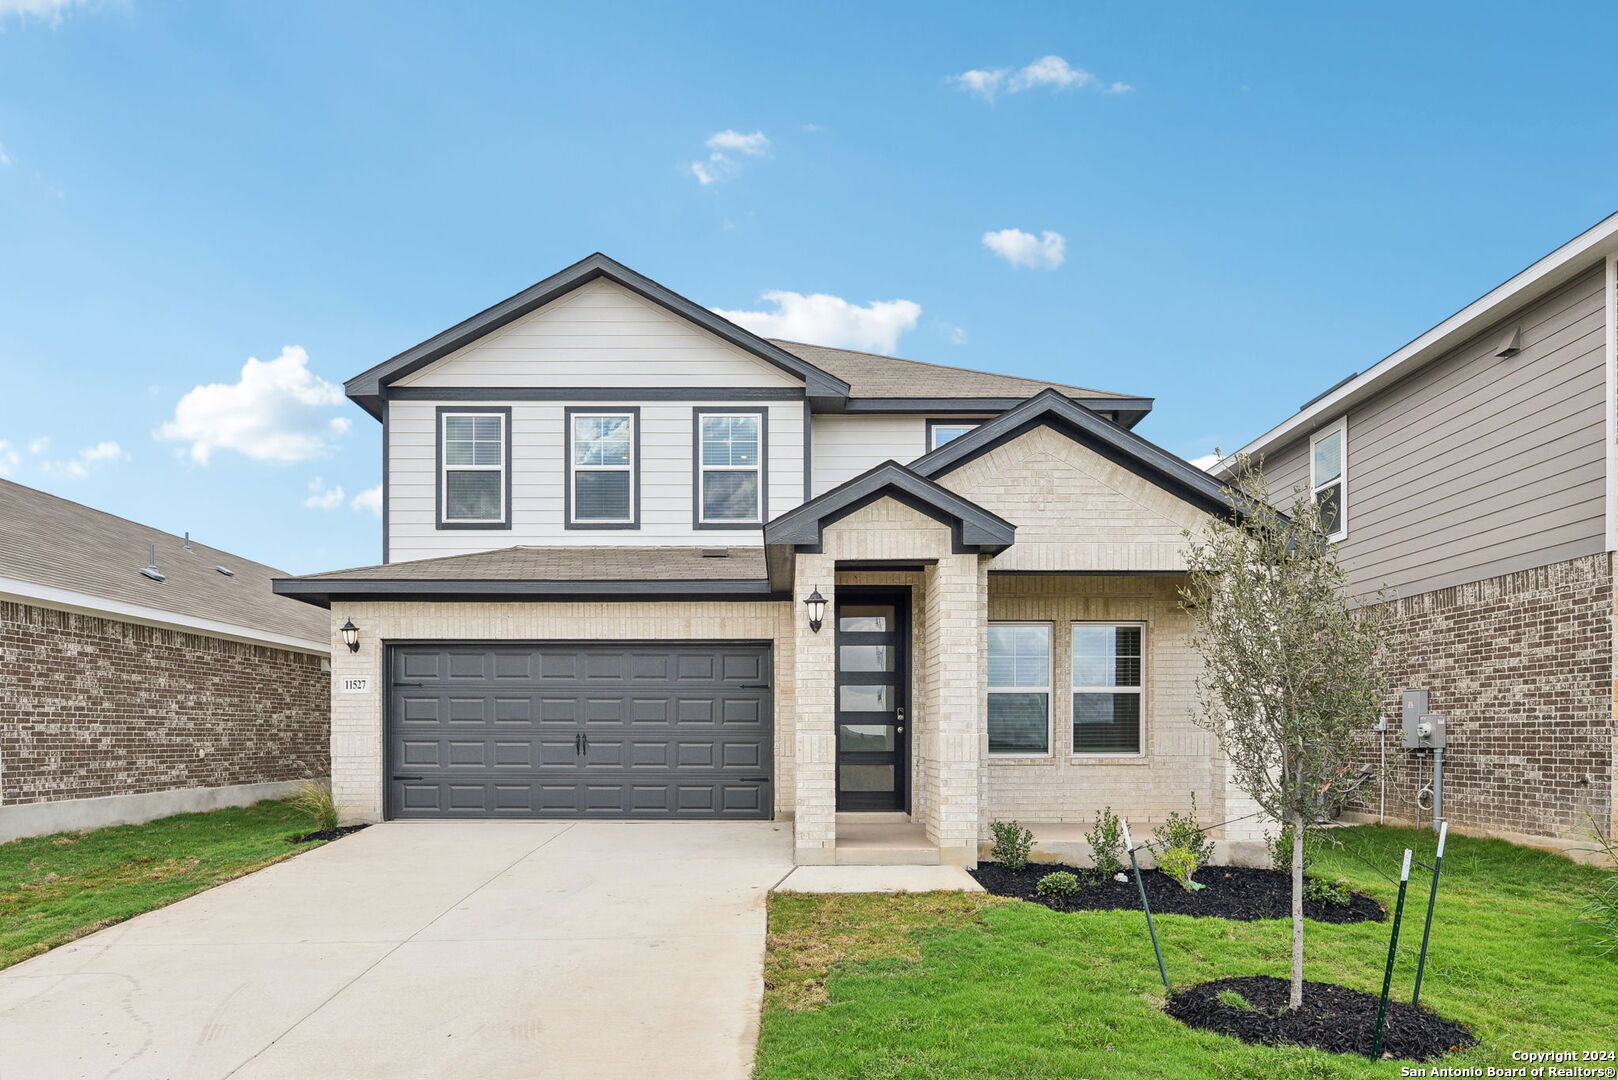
(314, 801)
(1180, 863)
(1057, 885)
(1600, 910)
(1181, 831)
(1280, 847)
(1107, 844)
(1012, 843)
(1327, 893)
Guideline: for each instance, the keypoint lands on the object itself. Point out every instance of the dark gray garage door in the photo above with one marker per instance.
(659, 730)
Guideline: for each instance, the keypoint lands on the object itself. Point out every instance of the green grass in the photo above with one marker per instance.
(933, 986)
(54, 889)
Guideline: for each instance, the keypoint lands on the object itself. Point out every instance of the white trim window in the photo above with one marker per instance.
(472, 478)
(1328, 477)
(1109, 693)
(940, 432)
(1019, 689)
(601, 458)
(730, 468)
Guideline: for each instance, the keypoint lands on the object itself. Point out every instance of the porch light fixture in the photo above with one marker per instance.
(351, 635)
(817, 610)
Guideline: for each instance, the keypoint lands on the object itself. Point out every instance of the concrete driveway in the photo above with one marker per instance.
(488, 950)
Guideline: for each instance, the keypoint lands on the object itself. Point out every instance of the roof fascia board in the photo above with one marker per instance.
(27, 592)
(366, 388)
(615, 394)
(1136, 407)
(1124, 447)
(1559, 267)
(322, 591)
(975, 527)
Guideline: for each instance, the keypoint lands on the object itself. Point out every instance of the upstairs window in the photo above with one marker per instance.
(602, 454)
(1107, 688)
(940, 432)
(1019, 688)
(1328, 477)
(473, 467)
(730, 469)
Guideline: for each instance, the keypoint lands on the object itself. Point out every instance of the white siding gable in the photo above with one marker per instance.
(847, 445)
(600, 334)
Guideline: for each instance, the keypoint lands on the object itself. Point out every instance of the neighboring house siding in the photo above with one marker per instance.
(538, 477)
(845, 446)
(601, 334)
(1521, 667)
(1477, 465)
(93, 707)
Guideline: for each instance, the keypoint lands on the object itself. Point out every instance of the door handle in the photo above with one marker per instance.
(899, 731)
(397, 777)
(899, 714)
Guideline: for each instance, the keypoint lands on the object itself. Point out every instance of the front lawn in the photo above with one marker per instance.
(54, 889)
(955, 985)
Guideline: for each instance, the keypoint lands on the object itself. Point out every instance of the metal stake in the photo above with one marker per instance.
(1432, 898)
(1151, 927)
(1393, 948)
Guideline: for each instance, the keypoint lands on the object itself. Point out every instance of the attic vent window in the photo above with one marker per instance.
(150, 569)
(225, 571)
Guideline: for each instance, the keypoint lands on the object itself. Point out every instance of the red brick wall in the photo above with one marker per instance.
(1521, 668)
(92, 706)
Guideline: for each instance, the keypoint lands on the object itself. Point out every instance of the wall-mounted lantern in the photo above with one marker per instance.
(351, 635)
(817, 610)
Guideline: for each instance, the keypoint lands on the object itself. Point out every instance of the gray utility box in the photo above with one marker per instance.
(1423, 730)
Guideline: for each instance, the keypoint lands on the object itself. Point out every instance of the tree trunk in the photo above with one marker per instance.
(1295, 998)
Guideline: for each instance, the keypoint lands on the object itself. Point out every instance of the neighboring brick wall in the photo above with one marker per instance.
(1521, 667)
(93, 706)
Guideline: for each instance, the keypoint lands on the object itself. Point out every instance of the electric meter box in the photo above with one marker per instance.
(1423, 730)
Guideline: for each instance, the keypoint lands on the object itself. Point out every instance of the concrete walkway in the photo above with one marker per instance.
(492, 950)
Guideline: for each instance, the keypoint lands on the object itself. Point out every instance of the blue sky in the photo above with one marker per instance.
(1251, 201)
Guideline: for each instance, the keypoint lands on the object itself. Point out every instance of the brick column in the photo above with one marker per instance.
(951, 678)
(814, 826)
(356, 718)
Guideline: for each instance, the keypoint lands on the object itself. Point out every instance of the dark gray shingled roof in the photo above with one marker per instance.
(879, 376)
(52, 542)
(595, 563)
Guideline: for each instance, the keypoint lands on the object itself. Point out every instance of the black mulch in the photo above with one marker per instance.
(1233, 892)
(327, 834)
(1331, 1018)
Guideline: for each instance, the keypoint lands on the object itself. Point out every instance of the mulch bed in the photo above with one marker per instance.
(327, 834)
(1331, 1018)
(1233, 892)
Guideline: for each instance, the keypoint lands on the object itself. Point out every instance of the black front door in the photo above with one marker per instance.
(873, 695)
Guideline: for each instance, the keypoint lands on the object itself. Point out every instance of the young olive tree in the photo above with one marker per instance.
(1292, 670)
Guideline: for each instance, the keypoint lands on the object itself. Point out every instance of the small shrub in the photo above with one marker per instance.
(1326, 893)
(1180, 864)
(1182, 831)
(1057, 885)
(1281, 849)
(1012, 843)
(1107, 844)
(314, 801)
(1600, 910)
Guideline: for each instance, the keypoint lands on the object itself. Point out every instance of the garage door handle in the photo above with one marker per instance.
(754, 686)
(754, 779)
(409, 684)
(409, 777)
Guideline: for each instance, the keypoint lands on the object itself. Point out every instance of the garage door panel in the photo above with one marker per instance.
(494, 731)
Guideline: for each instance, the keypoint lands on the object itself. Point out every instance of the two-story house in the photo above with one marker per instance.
(1473, 485)
(641, 563)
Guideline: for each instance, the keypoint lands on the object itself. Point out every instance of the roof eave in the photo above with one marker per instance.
(323, 592)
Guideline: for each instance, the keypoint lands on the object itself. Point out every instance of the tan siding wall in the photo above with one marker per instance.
(847, 445)
(356, 721)
(1074, 509)
(601, 334)
(1180, 758)
(1476, 465)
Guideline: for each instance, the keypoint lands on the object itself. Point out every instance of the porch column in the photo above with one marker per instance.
(952, 676)
(814, 823)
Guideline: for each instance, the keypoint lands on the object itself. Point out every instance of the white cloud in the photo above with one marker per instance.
(753, 145)
(813, 129)
(274, 412)
(820, 319)
(1044, 252)
(1050, 72)
(369, 499)
(1206, 461)
(321, 497)
(957, 335)
(5, 158)
(9, 458)
(39, 445)
(81, 464)
(48, 10)
(719, 165)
